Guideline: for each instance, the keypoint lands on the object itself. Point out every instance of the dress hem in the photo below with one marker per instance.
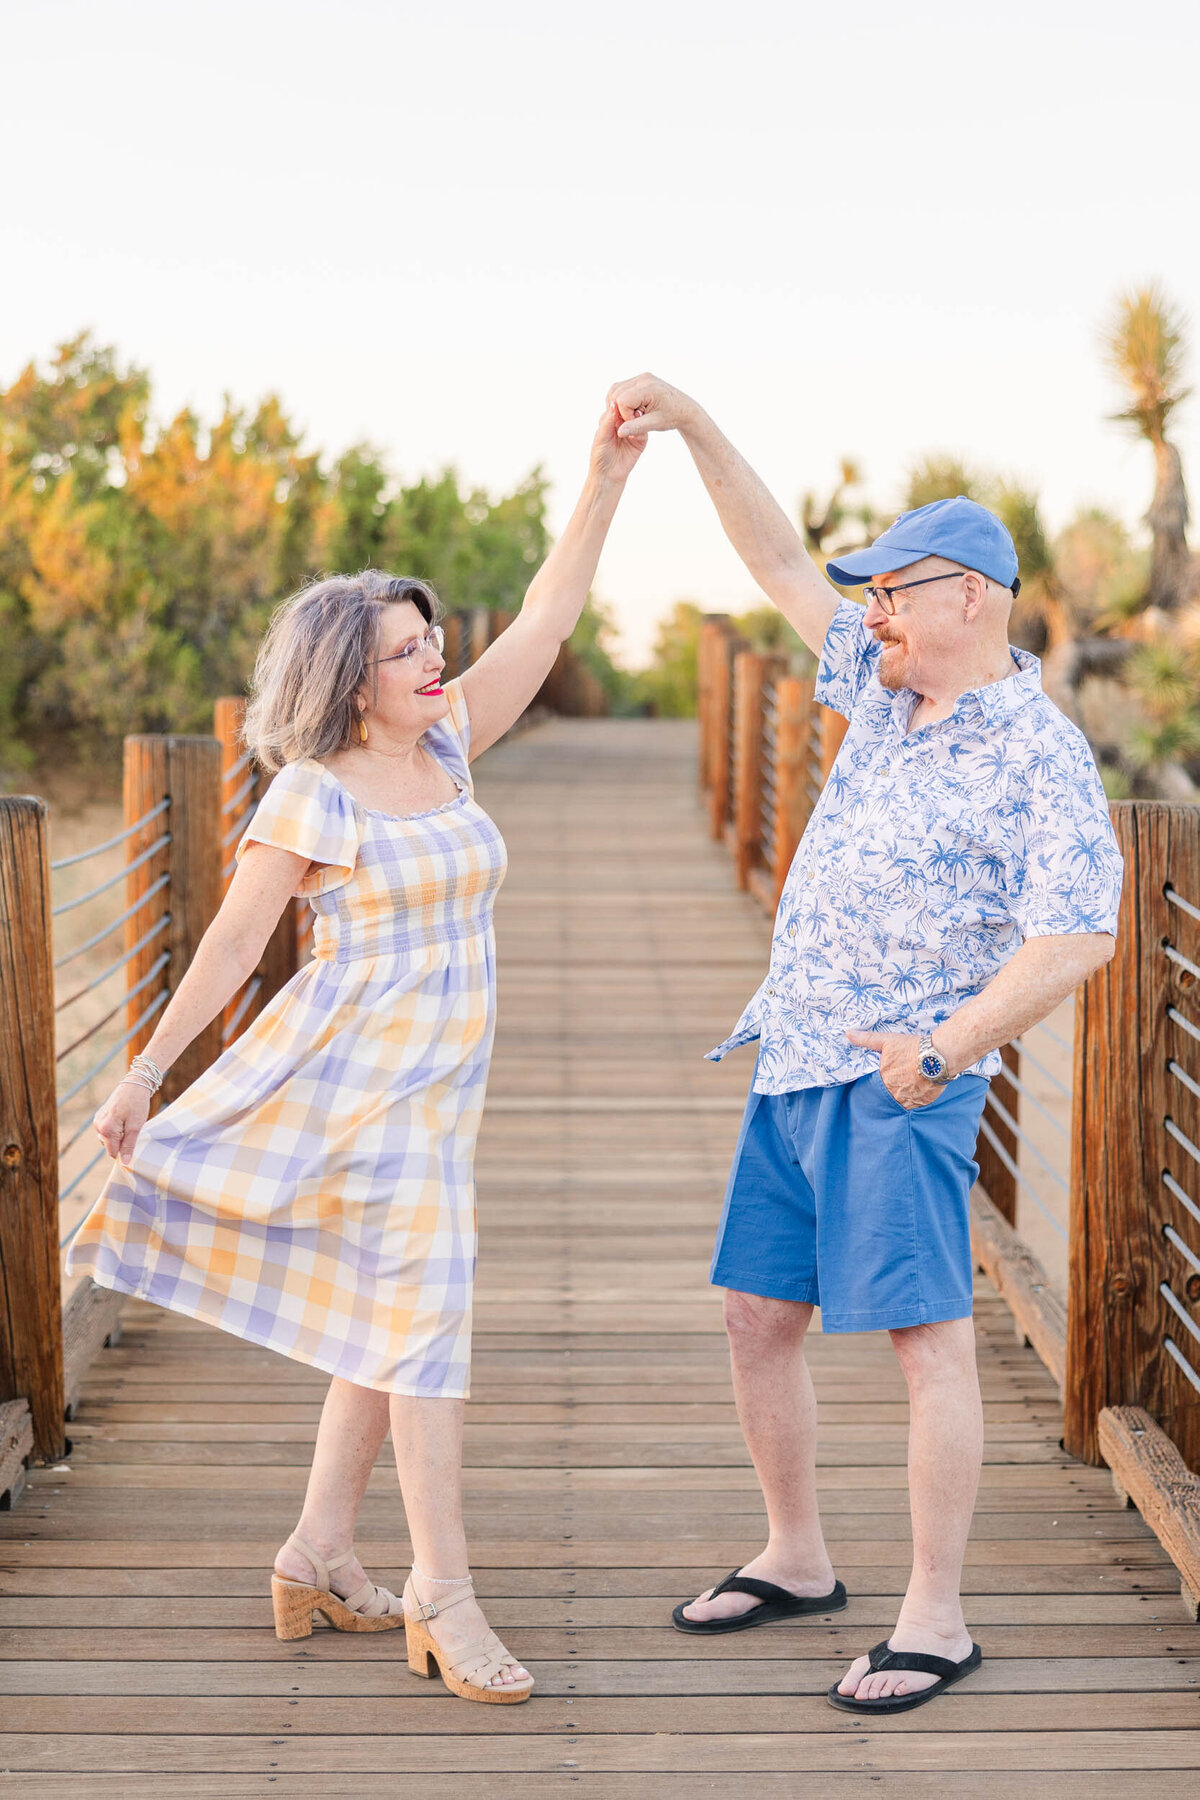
(264, 1343)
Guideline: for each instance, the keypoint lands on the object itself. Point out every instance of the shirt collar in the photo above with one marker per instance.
(990, 705)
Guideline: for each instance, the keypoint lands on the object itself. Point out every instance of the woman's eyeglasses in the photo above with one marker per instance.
(418, 648)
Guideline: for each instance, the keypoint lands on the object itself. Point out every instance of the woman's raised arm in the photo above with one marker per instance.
(501, 684)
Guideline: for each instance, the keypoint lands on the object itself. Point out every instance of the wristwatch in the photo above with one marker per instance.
(932, 1063)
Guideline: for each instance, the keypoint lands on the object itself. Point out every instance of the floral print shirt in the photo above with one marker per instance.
(928, 860)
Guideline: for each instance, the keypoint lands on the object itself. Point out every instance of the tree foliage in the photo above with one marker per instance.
(140, 561)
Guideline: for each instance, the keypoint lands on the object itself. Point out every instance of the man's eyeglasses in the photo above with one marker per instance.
(434, 640)
(886, 595)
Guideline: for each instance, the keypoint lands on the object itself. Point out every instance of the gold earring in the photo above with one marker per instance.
(362, 729)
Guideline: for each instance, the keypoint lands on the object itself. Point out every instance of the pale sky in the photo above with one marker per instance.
(863, 230)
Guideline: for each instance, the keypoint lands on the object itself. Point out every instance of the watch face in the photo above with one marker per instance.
(932, 1065)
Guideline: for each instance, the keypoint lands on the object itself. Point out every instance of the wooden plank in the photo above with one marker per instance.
(1020, 1280)
(91, 1319)
(348, 1679)
(407, 1712)
(502, 1749)
(16, 1447)
(992, 1784)
(1149, 1471)
(30, 1292)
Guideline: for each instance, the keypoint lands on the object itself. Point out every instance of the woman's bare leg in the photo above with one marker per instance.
(354, 1422)
(427, 1438)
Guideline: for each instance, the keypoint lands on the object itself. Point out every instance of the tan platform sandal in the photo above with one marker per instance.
(465, 1672)
(368, 1608)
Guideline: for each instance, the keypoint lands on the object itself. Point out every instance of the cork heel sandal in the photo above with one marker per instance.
(368, 1608)
(466, 1672)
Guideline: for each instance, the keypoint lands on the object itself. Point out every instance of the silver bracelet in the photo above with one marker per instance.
(145, 1065)
(139, 1078)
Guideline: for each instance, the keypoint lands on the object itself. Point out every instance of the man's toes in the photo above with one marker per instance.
(852, 1679)
(700, 1600)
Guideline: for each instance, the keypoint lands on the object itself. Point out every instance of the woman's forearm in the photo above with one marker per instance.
(214, 976)
(556, 595)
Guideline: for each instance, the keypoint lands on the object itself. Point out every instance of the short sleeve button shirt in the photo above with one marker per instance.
(928, 860)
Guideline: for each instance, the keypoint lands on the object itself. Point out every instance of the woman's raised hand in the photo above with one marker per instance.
(612, 455)
(121, 1118)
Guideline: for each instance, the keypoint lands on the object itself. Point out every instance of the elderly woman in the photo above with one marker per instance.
(313, 1191)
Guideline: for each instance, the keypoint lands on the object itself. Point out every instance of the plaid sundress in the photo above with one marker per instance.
(313, 1191)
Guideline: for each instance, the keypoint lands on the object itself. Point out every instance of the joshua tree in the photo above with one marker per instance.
(1145, 344)
(819, 520)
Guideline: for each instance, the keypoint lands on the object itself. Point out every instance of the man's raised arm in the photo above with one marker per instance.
(755, 524)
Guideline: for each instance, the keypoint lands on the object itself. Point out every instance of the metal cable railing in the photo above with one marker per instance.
(1170, 1236)
(96, 1016)
(67, 862)
(1026, 1149)
(160, 843)
(229, 1029)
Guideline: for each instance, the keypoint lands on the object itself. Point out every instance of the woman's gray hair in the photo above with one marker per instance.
(319, 650)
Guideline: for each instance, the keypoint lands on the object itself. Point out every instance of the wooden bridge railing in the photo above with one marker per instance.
(1123, 1343)
(187, 800)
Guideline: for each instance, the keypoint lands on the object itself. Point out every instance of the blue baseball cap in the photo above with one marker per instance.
(960, 530)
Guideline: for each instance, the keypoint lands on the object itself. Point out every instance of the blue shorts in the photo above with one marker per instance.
(840, 1198)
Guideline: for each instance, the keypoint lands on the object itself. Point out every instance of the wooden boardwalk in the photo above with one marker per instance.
(606, 1474)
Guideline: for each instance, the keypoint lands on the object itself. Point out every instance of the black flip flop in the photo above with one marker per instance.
(777, 1603)
(884, 1657)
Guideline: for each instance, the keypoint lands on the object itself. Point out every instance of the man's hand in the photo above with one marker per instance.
(899, 1066)
(757, 527)
(647, 404)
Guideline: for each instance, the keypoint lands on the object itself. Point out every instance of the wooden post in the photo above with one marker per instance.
(279, 959)
(996, 1179)
(480, 632)
(791, 715)
(31, 1365)
(1136, 1130)
(452, 626)
(188, 771)
(709, 652)
(833, 730)
(721, 786)
(752, 674)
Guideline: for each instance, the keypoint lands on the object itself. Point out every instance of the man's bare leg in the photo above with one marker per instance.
(945, 1451)
(777, 1410)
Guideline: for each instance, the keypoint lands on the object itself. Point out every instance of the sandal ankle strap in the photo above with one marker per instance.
(429, 1609)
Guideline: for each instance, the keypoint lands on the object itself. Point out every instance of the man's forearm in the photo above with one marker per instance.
(760, 531)
(1041, 975)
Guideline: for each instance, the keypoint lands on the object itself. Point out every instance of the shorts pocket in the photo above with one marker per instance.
(891, 1100)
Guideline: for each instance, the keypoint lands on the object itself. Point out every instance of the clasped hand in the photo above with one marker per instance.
(899, 1066)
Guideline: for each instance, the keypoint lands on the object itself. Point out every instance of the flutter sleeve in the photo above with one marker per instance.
(306, 811)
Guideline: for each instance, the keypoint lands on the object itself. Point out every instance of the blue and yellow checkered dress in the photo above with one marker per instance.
(314, 1190)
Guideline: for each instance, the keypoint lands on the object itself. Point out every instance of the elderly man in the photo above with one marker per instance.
(958, 878)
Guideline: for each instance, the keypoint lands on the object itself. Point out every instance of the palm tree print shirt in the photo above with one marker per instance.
(928, 860)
